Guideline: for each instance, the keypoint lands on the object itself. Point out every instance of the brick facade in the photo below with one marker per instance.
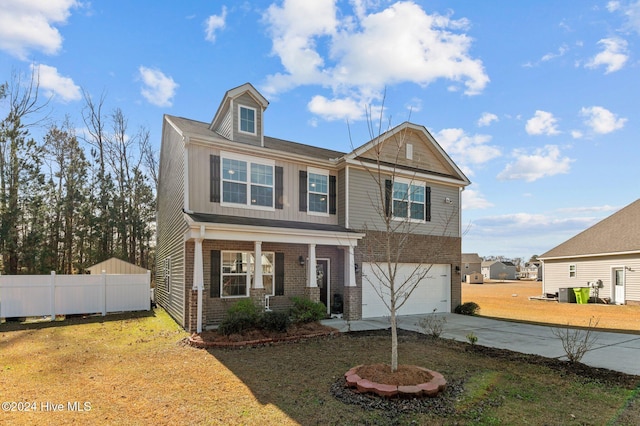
(419, 249)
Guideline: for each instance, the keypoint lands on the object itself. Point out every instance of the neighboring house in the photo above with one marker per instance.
(115, 266)
(244, 215)
(471, 265)
(531, 271)
(608, 251)
(498, 270)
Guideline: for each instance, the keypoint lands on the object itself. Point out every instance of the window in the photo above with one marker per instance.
(247, 120)
(238, 269)
(267, 271)
(318, 192)
(572, 271)
(408, 201)
(247, 183)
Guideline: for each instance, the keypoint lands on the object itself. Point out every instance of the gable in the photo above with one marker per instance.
(411, 148)
(618, 233)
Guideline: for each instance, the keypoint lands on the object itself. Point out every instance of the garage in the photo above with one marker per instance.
(433, 292)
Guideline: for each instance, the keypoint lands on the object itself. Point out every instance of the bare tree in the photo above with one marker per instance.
(390, 234)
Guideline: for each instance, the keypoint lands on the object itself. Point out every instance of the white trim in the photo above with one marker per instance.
(249, 162)
(409, 201)
(185, 177)
(255, 120)
(423, 176)
(319, 172)
(328, 289)
(578, 256)
(613, 284)
(346, 196)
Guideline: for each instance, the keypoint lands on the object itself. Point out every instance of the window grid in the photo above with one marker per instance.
(238, 271)
(238, 174)
(408, 201)
(318, 189)
(247, 120)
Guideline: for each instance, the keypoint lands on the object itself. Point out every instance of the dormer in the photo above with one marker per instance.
(239, 116)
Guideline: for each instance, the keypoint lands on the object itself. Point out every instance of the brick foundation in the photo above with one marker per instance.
(312, 293)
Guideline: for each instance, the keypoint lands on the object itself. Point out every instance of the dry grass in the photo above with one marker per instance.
(133, 370)
(510, 300)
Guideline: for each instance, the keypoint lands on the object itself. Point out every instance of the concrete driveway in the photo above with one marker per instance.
(614, 351)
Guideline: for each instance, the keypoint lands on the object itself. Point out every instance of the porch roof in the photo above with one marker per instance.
(215, 226)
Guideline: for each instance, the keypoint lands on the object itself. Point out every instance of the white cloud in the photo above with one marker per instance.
(158, 88)
(27, 25)
(576, 134)
(62, 88)
(536, 223)
(542, 123)
(473, 199)
(601, 120)
(486, 119)
(541, 163)
(215, 23)
(561, 51)
(631, 11)
(467, 150)
(613, 56)
(337, 109)
(357, 56)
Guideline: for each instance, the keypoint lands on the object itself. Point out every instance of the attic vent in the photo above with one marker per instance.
(409, 151)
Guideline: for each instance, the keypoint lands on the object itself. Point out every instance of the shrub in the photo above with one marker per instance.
(432, 324)
(237, 322)
(241, 316)
(576, 342)
(468, 308)
(274, 321)
(306, 310)
(245, 306)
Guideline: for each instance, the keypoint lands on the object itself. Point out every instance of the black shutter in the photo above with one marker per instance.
(215, 273)
(303, 190)
(388, 191)
(279, 284)
(427, 206)
(332, 195)
(279, 188)
(214, 169)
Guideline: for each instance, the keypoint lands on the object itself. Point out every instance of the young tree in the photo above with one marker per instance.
(389, 235)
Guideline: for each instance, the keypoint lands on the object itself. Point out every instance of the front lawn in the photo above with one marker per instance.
(134, 369)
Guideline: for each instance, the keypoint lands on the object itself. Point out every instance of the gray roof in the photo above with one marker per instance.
(269, 223)
(471, 258)
(618, 233)
(199, 128)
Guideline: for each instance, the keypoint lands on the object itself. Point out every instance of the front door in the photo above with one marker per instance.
(618, 286)
(324, 284)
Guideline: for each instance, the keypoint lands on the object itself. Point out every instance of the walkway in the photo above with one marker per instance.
(614, 351)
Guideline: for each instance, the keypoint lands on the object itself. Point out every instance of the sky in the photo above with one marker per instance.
(536, 101)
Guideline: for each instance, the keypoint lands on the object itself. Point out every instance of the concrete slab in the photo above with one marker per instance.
(614, 351)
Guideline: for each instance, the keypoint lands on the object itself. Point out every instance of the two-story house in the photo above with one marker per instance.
(244, 215)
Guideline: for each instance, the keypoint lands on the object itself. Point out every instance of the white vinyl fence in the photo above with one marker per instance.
(51, 295)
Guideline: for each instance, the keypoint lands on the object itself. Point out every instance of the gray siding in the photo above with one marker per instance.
(366, 207)
(341, 189)
(248, 101)
(556, 274)
(171, 225)
(199, 189)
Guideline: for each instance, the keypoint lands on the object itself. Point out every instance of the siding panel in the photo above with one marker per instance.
(171, 225)
(366, 206)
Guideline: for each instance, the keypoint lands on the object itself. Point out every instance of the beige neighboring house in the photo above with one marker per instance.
(115, 266)
(608, 253)
(245, 215)
(471, 268)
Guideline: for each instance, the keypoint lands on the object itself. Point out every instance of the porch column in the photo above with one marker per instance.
(198, 280)
(312, 279)
(350, 267)
(257, 266)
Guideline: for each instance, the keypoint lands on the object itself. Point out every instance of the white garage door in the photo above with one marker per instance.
(433, 292)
